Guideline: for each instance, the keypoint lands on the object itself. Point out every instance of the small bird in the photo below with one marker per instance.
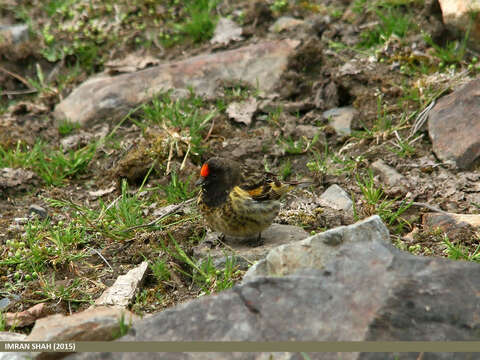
(236, 209)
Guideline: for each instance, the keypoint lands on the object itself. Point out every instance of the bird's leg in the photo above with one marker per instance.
(258, 241)
(222, 237)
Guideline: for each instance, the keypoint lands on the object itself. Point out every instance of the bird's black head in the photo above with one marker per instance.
(217, 177)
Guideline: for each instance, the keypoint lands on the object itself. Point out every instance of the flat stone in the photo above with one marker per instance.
(457, 17)
(454, 128)
(259, 65)
(11, 336)
(25, 317)
(285, 23)
(97, 324)
(4, 302)
(122, 292)
(226, 31)
(396, 182)
(242, 111)
(336, 198)
(37, 209)
(341, 119)
(241, 251)
(14, 33)
(453, 225)
(15, 178)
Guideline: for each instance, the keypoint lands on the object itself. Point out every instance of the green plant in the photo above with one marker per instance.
(286, 169)
(203, 274)
(66, 127)
(160, 270)
(59, 292)
(177, 191)
(461, 252)
(392, 21)
(3, 323)
(53, 166)
(200, 22)
(127, 211)
(123, 327)
(279, 5)
(183, 119)
(452, 53)
(376, 203)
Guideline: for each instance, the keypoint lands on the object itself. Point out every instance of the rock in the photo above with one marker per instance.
(26, 317)
(336, 198)
(369, 291)
(341, 119)
(124, 289)
(14, 33)
(4, 302)
(275, 235)
(390, 176)
(11, 336)
(309, 132)
(16, 356)
(99, 324)
(226, 31)
(285, 23)
(15, 178)
(132, 62)
(37, 209)
(259, 65)
(101, 192)
(454, 128)
(242, 111)
(315, 251)
(76, 141)
(456, 226)
(457, 17)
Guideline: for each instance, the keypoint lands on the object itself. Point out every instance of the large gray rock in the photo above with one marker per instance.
(317, 250)
(454, 126)
(368, 291)
(110, 97)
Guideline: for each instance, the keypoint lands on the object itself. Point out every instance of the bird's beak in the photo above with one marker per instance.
(200, 181)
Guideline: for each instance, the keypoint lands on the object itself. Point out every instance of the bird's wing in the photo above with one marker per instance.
(267, 189)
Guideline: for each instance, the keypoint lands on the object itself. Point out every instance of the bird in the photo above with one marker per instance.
(234, 208)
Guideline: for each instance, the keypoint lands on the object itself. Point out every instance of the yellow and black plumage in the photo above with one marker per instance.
(233, 208)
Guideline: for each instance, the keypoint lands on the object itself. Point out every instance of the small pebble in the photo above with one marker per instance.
(37, 209)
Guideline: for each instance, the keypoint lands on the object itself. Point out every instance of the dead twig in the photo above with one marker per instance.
(101, 257)
(430, 207)
(16, 76)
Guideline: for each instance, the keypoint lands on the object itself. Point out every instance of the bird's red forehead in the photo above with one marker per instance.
(204, 171)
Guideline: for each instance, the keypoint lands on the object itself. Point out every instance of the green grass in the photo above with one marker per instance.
(123, 327)
(286, 169)
(328, 162)
(203, 274)
(393, 20)
(200, 22)
(66, 127)
(185, 119)
(176, 190)
(376, 202)
(126, 212)
(53, 166)
(461, 252)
